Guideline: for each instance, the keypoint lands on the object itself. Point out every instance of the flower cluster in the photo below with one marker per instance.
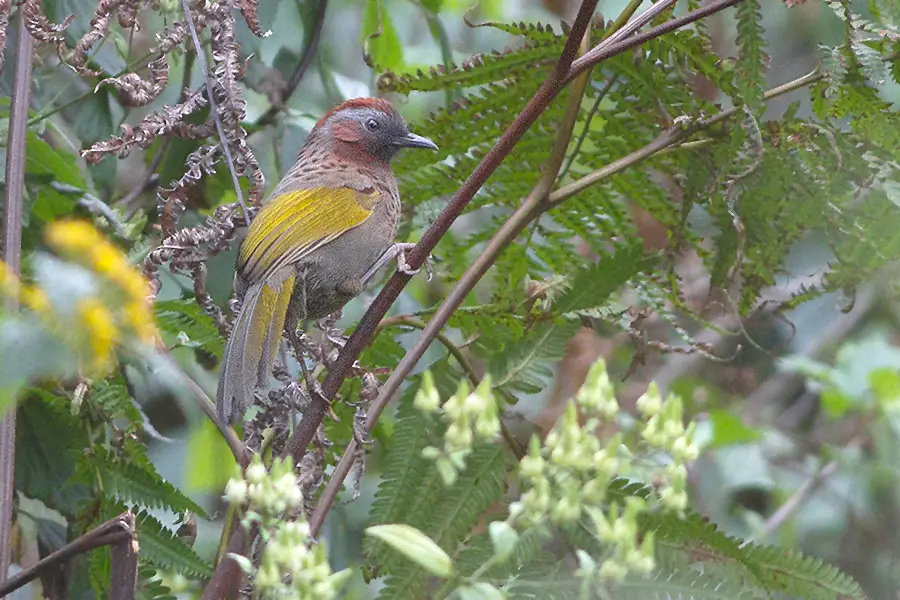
(292, 564)
(566, 480)
(114, 311)
(573, 468)
(665, 431)
(80, 243)
(471, 416)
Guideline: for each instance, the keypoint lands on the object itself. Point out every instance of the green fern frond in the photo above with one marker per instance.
(139, 485)
(184, 315)
(751, 80)
(526, 365)
(540, 49)
(161, 548)
(449, 520)
(593, 285)
(406, 474)
(151, 587)
(113, 397)
(681, 585)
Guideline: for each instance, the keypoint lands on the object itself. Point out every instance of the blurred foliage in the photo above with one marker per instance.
(716, 235)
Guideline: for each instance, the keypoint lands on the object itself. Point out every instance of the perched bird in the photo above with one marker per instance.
(324, 231)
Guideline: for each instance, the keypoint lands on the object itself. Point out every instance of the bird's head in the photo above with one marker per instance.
(370, 126)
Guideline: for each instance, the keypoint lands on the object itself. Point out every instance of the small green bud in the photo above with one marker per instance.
(427, 398)
(650, 402)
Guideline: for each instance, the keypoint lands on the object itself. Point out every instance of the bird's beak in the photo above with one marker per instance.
(412, 140)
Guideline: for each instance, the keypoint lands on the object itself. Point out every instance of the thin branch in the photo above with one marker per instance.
(454, 350)
(112, 532)
(587, 124)
(12, 256)
(306, 61)
(240, 452)
(514, 444)
(786, 510)
(617, 44)
(213, 109)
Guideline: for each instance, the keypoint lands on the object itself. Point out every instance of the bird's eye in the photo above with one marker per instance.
(372, 125)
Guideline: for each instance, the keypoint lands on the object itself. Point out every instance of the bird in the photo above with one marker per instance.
(319, 237)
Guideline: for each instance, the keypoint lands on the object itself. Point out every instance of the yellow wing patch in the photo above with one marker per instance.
(292, 225)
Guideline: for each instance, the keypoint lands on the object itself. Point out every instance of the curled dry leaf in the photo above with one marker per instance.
(161, 122)
(98, 29)
(137, 91)
(250, 11)
(40, 27)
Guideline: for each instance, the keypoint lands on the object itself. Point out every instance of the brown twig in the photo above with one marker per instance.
(12, 255)
(790, 506)
(306, 60)
(115, 531)
(213, 108)
(240, 452)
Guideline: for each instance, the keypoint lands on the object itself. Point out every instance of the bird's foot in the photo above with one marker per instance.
(403, 265)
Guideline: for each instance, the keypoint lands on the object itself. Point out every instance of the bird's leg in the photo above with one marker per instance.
(396, 252)
(312, 384)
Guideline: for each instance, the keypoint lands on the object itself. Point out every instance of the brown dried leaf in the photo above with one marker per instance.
(250, 10)
(136, 91)
(5, 10)
(98, 29)
(40, 27)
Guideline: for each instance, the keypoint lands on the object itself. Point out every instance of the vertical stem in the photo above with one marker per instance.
(12, 255)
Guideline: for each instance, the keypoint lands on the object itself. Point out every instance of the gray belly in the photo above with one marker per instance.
(332, 277)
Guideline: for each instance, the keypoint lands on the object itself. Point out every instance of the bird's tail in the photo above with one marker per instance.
(252, 346)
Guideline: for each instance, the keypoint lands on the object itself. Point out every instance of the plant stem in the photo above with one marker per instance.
(12, 256)
(213, 109)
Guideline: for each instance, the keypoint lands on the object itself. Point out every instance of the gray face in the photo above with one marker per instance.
(382, 134)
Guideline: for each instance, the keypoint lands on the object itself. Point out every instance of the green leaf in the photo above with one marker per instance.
(526, 365)
(183, 315)
(127, 482)
(479, 591)
(43, 159)
(592, 286)
(380, 39)
(160, 547)
(416, 546)
(728, 429)
(48, 441)
(209, 460)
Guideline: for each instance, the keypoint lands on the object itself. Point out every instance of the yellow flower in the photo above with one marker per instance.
(9, 282)
(138, 317)
(72, 237)
(35, 299)
(101, 331)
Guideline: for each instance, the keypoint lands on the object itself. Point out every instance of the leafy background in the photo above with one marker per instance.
(810, 400)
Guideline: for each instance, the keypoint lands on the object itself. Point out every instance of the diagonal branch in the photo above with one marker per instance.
(114, 531)
(12, 255)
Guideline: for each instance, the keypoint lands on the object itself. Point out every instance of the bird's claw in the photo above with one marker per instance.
(403, 265)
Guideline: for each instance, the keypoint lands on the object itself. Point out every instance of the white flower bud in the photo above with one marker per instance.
(256, 472)
(236, 491)
(427, 398)
(650, 402)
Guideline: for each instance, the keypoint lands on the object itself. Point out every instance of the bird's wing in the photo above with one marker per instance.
(292, 225)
